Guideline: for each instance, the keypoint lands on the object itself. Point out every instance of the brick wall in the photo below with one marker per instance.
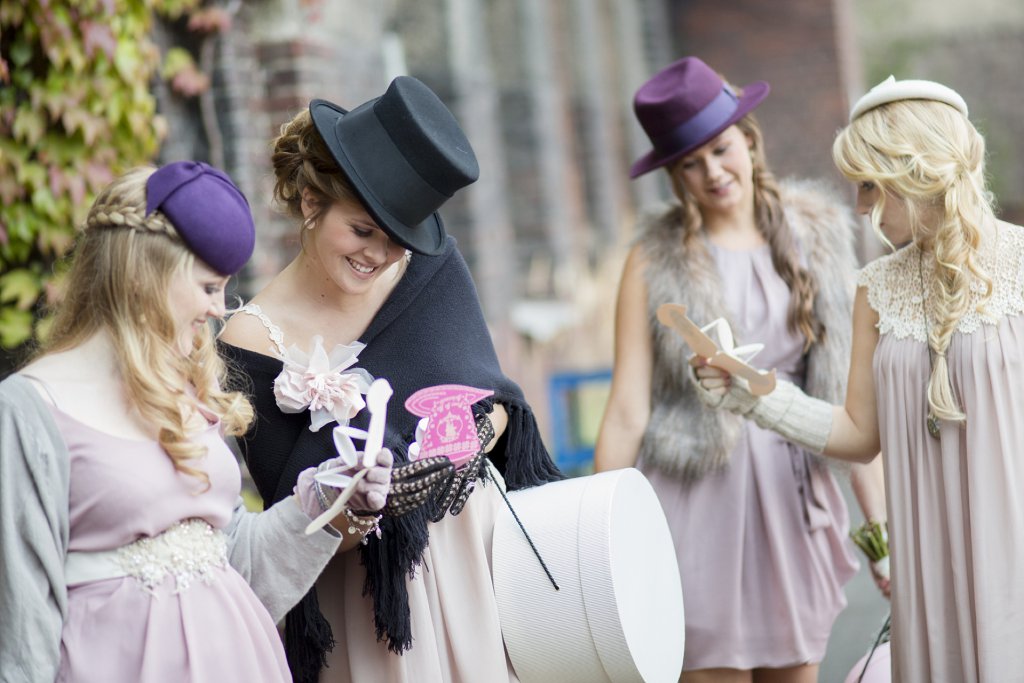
(793, 45)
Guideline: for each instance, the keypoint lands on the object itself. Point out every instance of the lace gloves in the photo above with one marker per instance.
(415, 483)
(393, 491)
(436, 483)
(788, 411)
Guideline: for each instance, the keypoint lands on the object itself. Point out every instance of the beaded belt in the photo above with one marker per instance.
(188, 550)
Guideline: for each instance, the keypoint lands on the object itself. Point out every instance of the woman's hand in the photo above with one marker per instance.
(370, 494)
(716, 388)
(881, 578)
(712, 380)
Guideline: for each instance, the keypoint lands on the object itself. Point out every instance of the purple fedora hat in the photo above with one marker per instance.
(685, 105)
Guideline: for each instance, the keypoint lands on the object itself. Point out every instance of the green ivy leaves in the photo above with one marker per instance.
(75, 110)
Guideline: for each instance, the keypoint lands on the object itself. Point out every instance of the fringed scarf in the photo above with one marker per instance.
(430, 331)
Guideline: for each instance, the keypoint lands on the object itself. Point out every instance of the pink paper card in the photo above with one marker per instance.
(451, 429)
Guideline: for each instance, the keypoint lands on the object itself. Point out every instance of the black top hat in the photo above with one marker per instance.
(405, 156)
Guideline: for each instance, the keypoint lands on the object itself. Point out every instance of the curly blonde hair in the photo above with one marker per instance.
(930, 156)
(302, 161)
(771, 221)
(122, 265)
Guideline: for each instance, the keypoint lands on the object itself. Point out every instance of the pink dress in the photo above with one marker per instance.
(116, 631)
(762, 545)
(956, 504)
(453, 581)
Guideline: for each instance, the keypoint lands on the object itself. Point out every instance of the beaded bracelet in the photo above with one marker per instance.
(364, 525)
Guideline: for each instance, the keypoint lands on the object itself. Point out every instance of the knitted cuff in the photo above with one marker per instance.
(789, 412)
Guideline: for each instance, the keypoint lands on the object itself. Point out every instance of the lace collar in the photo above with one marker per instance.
(894, 287)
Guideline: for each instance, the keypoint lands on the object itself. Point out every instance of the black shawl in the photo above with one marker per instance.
(430, 331)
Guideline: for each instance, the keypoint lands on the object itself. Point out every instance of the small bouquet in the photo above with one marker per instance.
(873, 539)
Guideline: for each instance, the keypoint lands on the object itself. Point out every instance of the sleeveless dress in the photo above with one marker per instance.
(455, 628)
(185, 627)
(761, 543)
(956, 504)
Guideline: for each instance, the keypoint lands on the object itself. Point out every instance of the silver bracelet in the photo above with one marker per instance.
(321, 496)
(363, 524)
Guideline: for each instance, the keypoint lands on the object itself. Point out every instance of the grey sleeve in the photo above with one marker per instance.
(272, 552)
(33, 536)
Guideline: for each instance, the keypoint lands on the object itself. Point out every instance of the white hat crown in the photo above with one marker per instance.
(892, 90)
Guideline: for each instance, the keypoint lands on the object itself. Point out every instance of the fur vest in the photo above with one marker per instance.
(683, 438)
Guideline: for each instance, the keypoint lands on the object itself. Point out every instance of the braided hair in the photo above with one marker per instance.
(929, 155)
(121, 268)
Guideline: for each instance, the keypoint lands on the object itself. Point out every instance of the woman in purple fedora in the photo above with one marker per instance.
(125, 552)
(379, 286)
(759, 524)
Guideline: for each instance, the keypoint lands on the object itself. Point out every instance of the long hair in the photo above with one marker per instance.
(771, 221)
(931, 157)
(121, 268)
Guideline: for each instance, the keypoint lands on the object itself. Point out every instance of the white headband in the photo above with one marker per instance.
(891, 90)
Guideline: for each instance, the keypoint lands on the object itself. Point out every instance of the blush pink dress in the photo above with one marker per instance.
(455, 628)
(117, 631)
(762, 546)
(956, 504)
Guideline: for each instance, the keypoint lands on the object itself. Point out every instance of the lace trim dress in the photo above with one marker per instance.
(173, 625)
(956, 508)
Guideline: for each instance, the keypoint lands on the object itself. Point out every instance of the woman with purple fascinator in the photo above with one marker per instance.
(759, 524)
(125, 551)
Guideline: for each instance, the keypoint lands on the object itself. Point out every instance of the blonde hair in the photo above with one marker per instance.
(771, 221)
(930, 156)
(122, 266)
(302, 161)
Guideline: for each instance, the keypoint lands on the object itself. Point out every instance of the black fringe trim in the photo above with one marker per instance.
(531, 465)
(308, 638)
(393, 558)
(389, 561)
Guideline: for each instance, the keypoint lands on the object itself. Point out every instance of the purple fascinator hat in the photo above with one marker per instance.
(684, 106)
(209, 212)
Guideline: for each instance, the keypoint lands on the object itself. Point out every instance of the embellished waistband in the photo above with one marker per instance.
(188, 550)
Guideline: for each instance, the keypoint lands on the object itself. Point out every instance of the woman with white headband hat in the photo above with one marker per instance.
(936, 380)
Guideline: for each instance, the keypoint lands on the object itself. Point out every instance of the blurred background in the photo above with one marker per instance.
(543, 90)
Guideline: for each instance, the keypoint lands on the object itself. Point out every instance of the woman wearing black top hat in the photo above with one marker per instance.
(380, 287)
(759, 525)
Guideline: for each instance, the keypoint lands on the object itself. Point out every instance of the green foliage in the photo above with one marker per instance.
(872, 538)
(75, 110)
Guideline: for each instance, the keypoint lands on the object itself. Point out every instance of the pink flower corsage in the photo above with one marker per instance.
(317, 381)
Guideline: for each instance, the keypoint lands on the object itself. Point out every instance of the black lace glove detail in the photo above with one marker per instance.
(414, 483)
(453, 498)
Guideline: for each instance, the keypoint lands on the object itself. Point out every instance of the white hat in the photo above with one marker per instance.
(617, 616)
(891, 90)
